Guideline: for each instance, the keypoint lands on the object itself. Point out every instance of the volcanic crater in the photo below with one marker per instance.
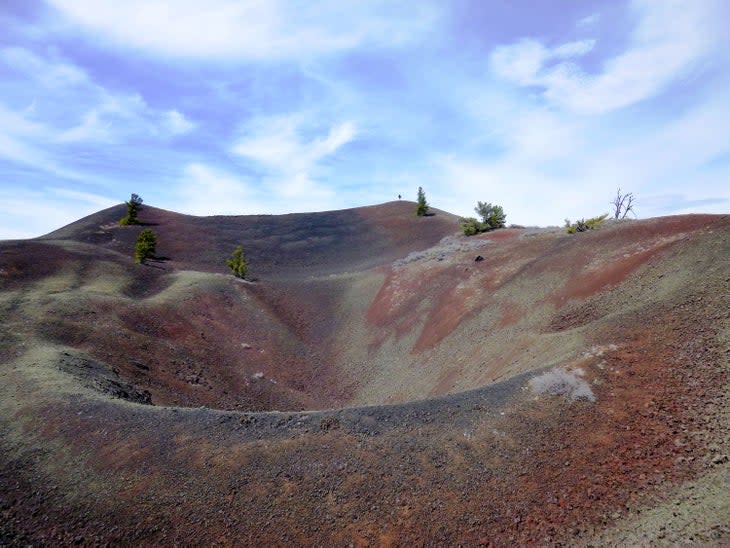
(370, 383)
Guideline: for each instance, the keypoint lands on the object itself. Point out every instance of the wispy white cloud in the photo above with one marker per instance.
(26, 142)
(88, 198)
(116, 117)
(248, 29)
(91, 113)
(692, 201)
(52, 208)
(18, 123)
(277, 143)
(208, 190)
(520, 62)
(589, 20)
(90, 128)
(573, 49)
(528, 195)
(523, 61)
(49, 74)
(203, 190)
(290, 160)
(554, 166)
(177, 123)
(669, 38)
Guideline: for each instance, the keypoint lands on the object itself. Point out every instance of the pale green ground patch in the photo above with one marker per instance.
(183, 283)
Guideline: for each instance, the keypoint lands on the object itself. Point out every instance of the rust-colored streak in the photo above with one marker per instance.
(610, 274)
(511, 314)
(448, 313)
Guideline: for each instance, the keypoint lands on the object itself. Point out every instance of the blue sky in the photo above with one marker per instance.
(242, 107)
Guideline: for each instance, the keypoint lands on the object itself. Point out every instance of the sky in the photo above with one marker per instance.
(248, 106)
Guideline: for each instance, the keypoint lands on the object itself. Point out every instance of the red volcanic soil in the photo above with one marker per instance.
(373, 385)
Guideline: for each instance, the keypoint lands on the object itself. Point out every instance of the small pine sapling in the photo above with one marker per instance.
(133, 206)
(421, 204)
(237, 263)
(145, 247)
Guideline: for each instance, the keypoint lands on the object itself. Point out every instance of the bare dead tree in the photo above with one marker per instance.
(622, 204)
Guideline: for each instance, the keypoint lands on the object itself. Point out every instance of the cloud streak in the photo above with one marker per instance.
(289, 160)
(92, 112)
(248, 29)
(53, 207)
(669, 39)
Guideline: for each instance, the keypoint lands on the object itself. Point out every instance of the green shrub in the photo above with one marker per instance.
(584, 225)
(237, 263)
(421, 204)
(471, 226)
(492, 217)
(133, 206)
(145, 247)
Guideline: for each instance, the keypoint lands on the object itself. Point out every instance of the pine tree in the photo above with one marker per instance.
(421, 204)
(145, 247)
(237, 263)
(133, 206)
(492, 216)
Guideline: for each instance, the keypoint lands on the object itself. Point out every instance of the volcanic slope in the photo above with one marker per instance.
(373, 384)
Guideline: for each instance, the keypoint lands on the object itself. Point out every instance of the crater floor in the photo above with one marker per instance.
(371, 385)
